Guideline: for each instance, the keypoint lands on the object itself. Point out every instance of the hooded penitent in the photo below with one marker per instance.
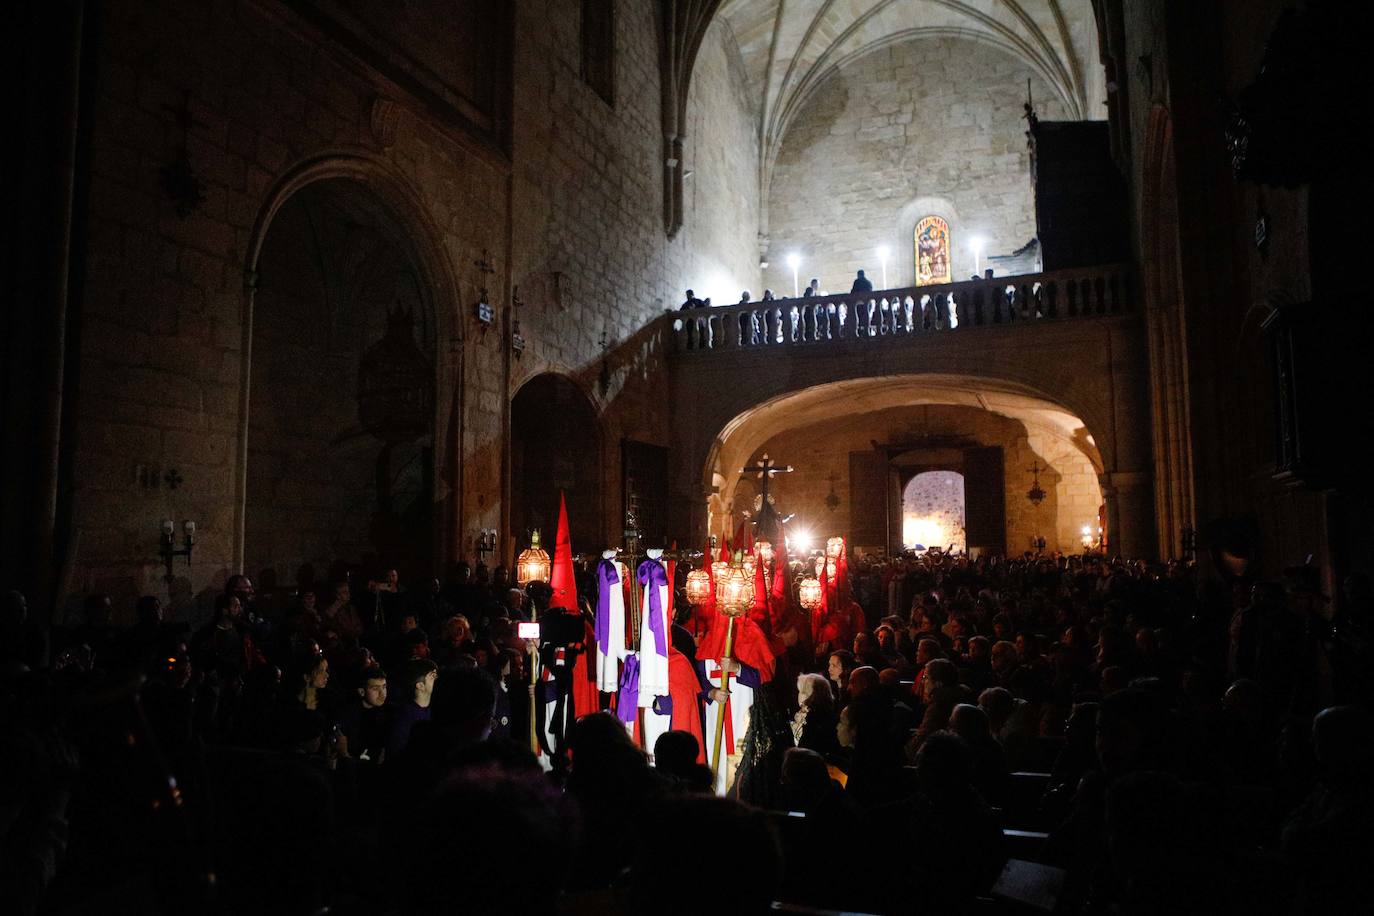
(610, 622)
(653, 630)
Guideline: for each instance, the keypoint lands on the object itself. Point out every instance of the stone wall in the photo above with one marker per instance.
(591, 258)
(572, 217)
(164, 297)
(819, 450)
(919, 128)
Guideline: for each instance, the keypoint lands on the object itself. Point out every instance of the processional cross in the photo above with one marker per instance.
(766, 468)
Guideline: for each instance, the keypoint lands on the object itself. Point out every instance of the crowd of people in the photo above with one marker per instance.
(1202, 746)
(861, 284)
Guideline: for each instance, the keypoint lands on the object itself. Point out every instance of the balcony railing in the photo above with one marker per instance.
(1064, 294)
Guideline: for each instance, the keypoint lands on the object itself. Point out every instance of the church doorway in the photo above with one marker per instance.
(867, 453)
(933, 511)
(555, 446)
(341, 419)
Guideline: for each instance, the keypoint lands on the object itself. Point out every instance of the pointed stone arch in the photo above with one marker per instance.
(408, 219)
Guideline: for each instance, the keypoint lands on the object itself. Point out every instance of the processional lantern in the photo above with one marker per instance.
(735, 588)
(698, 587)
(533, 564)
(809, 593)
(734, 598)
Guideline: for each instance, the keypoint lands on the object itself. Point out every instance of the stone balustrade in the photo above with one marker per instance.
(1054, 296)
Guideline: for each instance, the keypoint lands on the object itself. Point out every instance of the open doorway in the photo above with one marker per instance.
(933, 511)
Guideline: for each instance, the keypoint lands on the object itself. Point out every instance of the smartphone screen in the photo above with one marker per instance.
(527, 630)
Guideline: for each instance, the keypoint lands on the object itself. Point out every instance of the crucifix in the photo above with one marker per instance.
(766, 468)
(484, 265)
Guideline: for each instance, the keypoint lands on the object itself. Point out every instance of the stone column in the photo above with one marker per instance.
(1130, 514)
(40, 353)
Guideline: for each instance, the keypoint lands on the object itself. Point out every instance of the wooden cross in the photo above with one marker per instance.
(766, 468)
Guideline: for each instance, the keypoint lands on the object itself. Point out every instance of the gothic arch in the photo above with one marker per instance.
(387, 188)
(556, 443)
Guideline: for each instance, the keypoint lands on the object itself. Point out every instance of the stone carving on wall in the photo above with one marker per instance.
(396, 404)
(385, 115)
(451, 59)
(396, 383)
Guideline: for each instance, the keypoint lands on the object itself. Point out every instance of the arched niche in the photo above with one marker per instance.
(341, 402)
(555, 446)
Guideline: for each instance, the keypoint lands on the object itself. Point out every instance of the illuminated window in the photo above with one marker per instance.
(932, 251)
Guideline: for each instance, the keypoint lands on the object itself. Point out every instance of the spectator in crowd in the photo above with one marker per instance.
(814, 724)
(416, 678)
(366, 721)
(677, 754)
(1169, 775)
(841, 665)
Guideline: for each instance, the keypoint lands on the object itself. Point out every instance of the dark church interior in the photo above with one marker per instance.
(686, 457)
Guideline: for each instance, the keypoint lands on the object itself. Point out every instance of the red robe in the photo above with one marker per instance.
(839, 617)
(586, 698)
(685, 690)
(752, 647)
(751, 643)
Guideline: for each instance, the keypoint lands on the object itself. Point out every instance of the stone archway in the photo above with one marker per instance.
(856, 445)
(555, 446)
(347, 286)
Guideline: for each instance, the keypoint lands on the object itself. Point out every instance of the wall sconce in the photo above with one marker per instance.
(485, 313)
(486, 543)
(832, 499)
(517, 340)
(169, 551)
(1036, 494)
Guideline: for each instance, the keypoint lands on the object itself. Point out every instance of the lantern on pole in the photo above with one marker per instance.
(533, 564)
(735, 590)
(698, 587)
(734, 598)
(809, 593)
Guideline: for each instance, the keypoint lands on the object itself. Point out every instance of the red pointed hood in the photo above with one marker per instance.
(781, 573)
(563, 582)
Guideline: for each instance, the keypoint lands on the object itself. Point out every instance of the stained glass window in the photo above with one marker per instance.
(932, 251)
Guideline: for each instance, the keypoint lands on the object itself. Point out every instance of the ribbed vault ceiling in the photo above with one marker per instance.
(791, 46)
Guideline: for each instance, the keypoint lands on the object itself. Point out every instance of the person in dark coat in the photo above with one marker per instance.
(813, 726)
